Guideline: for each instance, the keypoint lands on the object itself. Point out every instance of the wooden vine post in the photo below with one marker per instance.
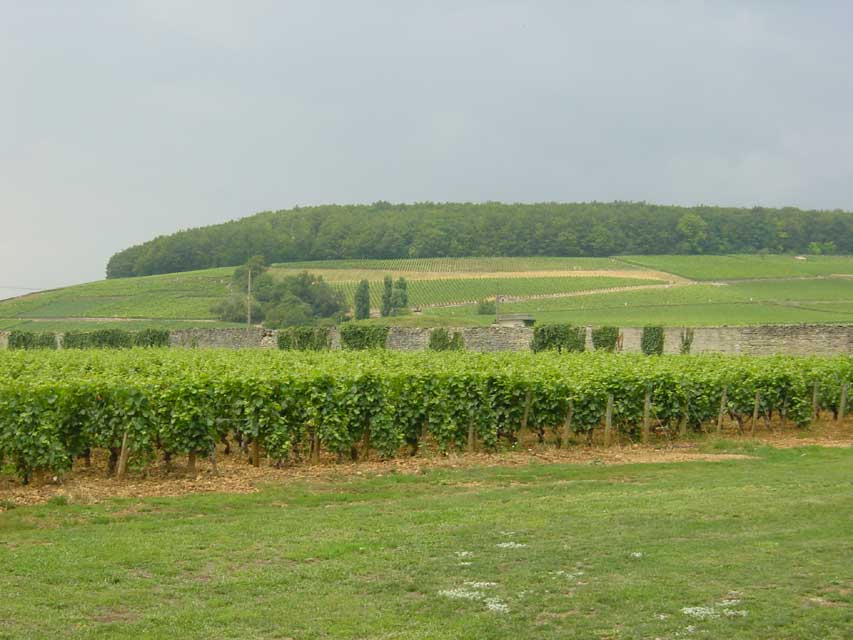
(567, 424)
(723, 402)
(608, 420)
(122, 458)
(191, 462)
(647, 415)
(256, 451)
(815, 401)
(682, 423)
(315, 445)
(471, 439)
(842, 408)
(755, 413)
(526, 413)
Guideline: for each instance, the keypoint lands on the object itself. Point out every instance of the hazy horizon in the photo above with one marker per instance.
(132, 121)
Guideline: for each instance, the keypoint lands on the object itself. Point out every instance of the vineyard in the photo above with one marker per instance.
(460, 290)
(57, 406)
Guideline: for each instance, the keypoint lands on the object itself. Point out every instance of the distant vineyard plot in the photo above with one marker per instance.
(784, 302)
(740, 267)
(628, 290)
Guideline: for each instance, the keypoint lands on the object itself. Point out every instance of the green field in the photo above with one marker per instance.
(741, 267)
(795, 291)
(752, 548)
(793, 301)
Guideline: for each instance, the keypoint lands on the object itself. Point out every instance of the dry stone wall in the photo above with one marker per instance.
(221, 338)
(762, 339)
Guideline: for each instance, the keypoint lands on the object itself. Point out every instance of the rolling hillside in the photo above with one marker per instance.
(635, 290)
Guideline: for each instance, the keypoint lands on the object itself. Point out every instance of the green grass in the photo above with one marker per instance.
(610, 552)
(744, 266)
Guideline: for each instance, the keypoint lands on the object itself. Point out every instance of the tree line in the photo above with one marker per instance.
(425, 230)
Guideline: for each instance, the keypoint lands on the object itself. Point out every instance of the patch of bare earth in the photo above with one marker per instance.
(86, 485)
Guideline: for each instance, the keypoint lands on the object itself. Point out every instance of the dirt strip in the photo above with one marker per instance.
(88, 485)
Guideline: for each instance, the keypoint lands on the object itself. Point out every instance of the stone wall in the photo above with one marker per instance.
(789, 339)
(762, 339)
(221, 338)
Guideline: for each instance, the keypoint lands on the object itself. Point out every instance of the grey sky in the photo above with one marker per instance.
(125, 120)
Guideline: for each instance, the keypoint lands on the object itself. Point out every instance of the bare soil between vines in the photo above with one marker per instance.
(91, 485)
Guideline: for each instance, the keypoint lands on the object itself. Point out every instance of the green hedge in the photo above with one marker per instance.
(686, 341)
(558, 337)
(360, 336)
(441, 340)
(305, 338)
(115, 339)
(652, 341)
(32, 340)
(605, 338)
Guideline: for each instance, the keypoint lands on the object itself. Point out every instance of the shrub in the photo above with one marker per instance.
(99, 339)
(305, 338)
(558, 337)
(441, 340)
(360, 336)
(605, 338)
(152, 338)
(686, 341)
(652, 341)
(487, 308)
(32, 340)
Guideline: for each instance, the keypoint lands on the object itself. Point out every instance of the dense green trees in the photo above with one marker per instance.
(295, 300)
(383, 230)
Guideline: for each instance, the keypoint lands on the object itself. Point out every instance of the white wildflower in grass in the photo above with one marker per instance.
(496, 605)
(636, 554)
(510, 545)
(735, 613)
(661, 616)
(462, 594)
(728, 603)
(464, 554)
(507, 533)
(700, 613)
(465, 564)
(481, 585)
(571, 575)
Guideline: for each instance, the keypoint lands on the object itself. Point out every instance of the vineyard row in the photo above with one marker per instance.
(57, 406)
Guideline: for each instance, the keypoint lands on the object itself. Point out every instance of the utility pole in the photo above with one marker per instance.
(249, 303)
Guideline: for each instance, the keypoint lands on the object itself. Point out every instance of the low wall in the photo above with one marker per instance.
(761, 339)
(222, 338)
(474, 338)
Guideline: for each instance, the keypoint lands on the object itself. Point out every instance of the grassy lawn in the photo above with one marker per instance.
(751, 548)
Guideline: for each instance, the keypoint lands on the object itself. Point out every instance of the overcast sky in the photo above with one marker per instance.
(125, 120)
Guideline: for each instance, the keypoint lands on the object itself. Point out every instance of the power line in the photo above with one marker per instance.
(3, 286)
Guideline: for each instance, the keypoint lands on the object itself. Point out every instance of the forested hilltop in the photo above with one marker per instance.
(425, 230)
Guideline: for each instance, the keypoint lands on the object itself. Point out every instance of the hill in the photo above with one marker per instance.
(425, 230)
(630, 291)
